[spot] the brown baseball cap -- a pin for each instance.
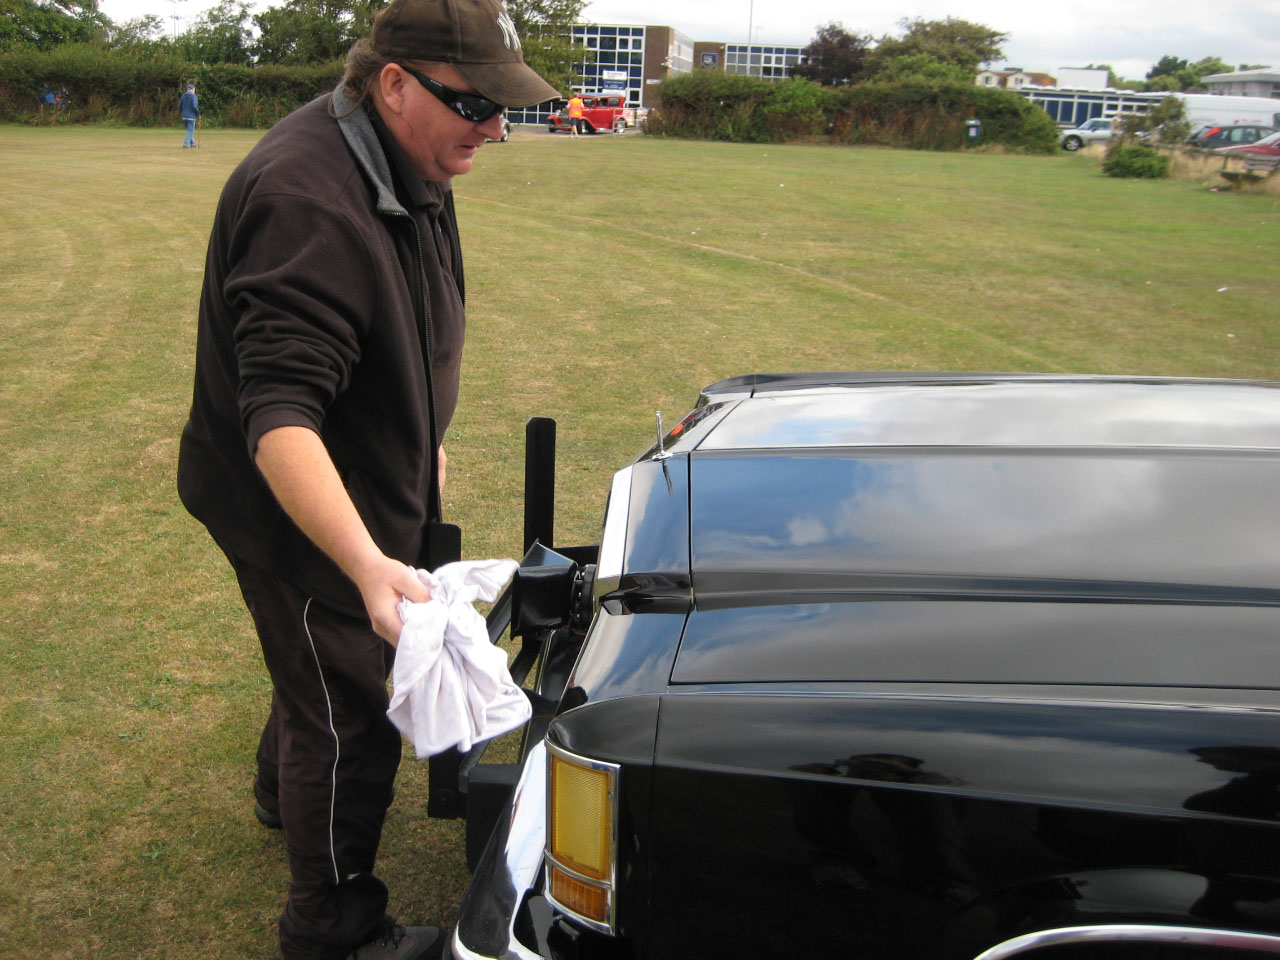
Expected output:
(477, 37)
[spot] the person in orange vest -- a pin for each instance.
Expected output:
(575, 115)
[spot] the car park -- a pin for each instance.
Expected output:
(599, 113)
(1095, 130)
(953, 666)
(1213, 137)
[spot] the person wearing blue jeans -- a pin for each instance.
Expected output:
(189, 109)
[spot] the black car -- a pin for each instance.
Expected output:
(901, 666)
(1212, 137)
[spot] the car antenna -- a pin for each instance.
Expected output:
(662, 453)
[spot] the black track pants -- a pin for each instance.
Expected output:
(327, 760)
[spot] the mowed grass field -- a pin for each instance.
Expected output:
(607, 278)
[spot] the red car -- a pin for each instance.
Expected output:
(598, 113)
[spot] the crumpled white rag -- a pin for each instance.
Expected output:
(451, 686)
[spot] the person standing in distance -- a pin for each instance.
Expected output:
(575, 115)
(189, 110)
(327, 368)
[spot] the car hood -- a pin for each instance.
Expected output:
(852, 523)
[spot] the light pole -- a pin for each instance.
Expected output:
(751, 19)
(175, 16)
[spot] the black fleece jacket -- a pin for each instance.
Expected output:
(319, 310)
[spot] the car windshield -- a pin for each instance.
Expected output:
(1269, 140)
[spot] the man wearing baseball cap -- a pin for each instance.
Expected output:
(327, 371)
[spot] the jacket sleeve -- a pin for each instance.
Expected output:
(301, 283)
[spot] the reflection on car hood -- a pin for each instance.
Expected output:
(1109, 508)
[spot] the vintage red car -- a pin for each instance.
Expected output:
(606, 112)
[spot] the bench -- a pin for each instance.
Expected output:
(1256, 169)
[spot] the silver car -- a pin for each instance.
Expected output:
(1091, 131)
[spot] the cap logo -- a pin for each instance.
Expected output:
(509, 36)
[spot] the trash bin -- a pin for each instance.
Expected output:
(973, 131)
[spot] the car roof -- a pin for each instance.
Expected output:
(1004, 410)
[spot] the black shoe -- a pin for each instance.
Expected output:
(394, 942)
(268, 818)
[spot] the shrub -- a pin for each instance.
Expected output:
(1136, 162)
(915, 113)
(710, 105)
(142, 89)
(797, 110)
(923, 115)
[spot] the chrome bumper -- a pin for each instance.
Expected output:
(508, 869)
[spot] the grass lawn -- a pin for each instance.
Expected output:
(607, 277)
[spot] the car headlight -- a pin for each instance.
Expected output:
(582, 819)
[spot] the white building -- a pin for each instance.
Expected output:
(1013, 79)
(1246, 83)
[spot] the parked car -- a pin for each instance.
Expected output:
(1212, 137)
(506, 131)
(944, 666)
(598, 113)
(1268, 146)
(1095, 130)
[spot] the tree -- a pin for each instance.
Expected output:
(308, 31)
(1193, 76)
(142, 34)
(221, 35)
(1164, 81)
(545, 29)
(923, 66)
(1168, 119)
(958, 42)
(834, 57)
(1166, 66)
(44, 24)
(1172, 73)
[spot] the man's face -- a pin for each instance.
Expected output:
(440, 143)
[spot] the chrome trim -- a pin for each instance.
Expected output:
(1133, 932)
(512, 870)
(610, 884)
(515, 951)
(613, 540)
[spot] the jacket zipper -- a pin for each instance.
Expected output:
(437, 504)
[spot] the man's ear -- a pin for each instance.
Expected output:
(391, 83)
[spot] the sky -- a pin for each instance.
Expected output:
(1130, 35)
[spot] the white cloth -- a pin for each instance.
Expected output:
(450, 685)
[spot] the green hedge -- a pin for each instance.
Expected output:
(105, 86)
(915, 114)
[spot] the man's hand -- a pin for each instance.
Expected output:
(382, 583)
(444, 467)
(301, 474)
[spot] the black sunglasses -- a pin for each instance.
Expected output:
(469, 106)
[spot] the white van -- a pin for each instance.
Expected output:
(1208, 108)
